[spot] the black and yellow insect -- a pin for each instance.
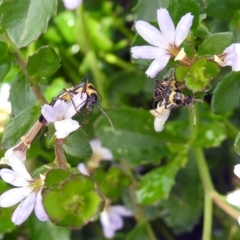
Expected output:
(67, 95)
(169, 93)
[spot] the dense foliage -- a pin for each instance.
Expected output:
(173, 184)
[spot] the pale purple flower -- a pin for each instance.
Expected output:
(234, 197)
(28, 192)
(161, 115)
(61, 114)
(112, 219)
(83, 169)
(100, 151)
(230, 57)
(164, 43)
(72, 4)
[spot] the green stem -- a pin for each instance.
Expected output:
(99, 77)
(139, 213)
(61, 160)
(231, 130)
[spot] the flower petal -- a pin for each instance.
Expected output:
(12, 178)
(83, 169)
(95, 144)
(49, 113)
(146, 52)
(13, 196)
(150, 34)
(237, 170)
(121, 210)
(232, 56)
(183, 28)
(108, 231)
(65, 127)
(157, 65)
(19, 168)
(72, 4)
(161, 115)
(24, 209)
(234, 198)
(106, 154)
(166, 25)
(39, 209)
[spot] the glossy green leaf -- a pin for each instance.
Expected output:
(216, 43)
(21, 94)
(73, 202)
(157, 184)
(182, 210)
(147, 10)
(77, 145)
(5, 65)
(237, 144)
(19, 126)
(181, 73)
(25, 20)
(43, 63)
(47, 230)
(226, 94)
(133, 128)
(178, 9)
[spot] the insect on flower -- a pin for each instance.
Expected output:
(85, 107)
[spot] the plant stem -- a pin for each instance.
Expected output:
(99, 77)
(62, 162)
(208, 189)
(139, 213)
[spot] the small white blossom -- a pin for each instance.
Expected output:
(28, 192)
(72, 4)
(83, 169)
(230, 57)
(99, 153)
(61, 114)
(234, 197)
(165, 42)
(112, 219)
(161, 115)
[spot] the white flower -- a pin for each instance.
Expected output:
(165, 42)
(230, 57)
(83, 169)
(234, 197)
(28, 192)
(161, 115)
(99, 153)
(61, 114)
(72, 4)
(112, 219)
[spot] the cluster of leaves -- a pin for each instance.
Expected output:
(45, 48)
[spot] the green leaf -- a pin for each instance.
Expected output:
(43, 63)
(25, 20)
(46, 230)
(226, 94)
(73, 202)
(139, 232)
(147, 10)
(77, 145)
(157, 184)
(6, 225)
(219, 9)
(133, 128)
(3, 50)
(19, 126)
(181, 73)
(5, 65)
(237, 144)
(178, 9)
(182, 210)
(56, 176)
(112, 182)
(21, 94)
(216, 43)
